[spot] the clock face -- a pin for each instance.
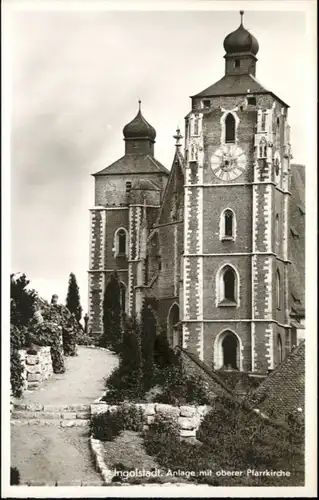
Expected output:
(228, 162)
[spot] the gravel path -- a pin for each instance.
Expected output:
(51, 453)
(82, 382)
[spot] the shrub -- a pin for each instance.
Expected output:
(107, 426)
(132, 418)
(85, 339)
(180, 388)
(14, 476)
(48, 334)
(125, 382)
(16, 372)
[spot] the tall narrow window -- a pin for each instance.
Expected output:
(278, 294)
(230, 128)
(229, 285)
(196, 125)
(120, 242)
(228, 223)
(263, 121)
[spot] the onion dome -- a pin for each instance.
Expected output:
(241, 40)
(139, 128)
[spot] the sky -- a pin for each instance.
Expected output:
(76, 78)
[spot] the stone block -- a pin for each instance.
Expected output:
(83, 414)
(20, 407)
(33, 368)
(188, 433)
(150, 419)
(33, 385)
(67, 423)
(69, 416)
(32, 359)
(187, 423)
(188, 411)
(172, 411)
(48, 415)
(149, 409)
(55, 408)
(34, 377)
(21, 415)
(77, 408)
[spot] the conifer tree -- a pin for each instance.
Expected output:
(112, 314)
(73, 297)
(148, 330)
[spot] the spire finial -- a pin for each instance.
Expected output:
(178, 136)
(241, 12)
(139, 104)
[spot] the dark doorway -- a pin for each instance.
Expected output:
(229, 346)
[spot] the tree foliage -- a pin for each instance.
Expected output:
(126, 382)
(23, 300)
(112, 314)
(148, 332)
(73, 297)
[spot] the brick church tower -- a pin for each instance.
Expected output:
(128, 194)
(237, 190)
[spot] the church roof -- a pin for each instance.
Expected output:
(282, 392)
(134, 164)
(242, 84)
(297, 239)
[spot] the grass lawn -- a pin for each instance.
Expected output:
(127, 453)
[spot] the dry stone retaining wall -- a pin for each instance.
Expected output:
(188, 417)
(36, 367)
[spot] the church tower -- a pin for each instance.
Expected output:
(128, 195)
(237, 190)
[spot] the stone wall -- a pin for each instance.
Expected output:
(188, 417)
(37, 367)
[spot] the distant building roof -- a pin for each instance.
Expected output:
(134, 164)
(283, 391)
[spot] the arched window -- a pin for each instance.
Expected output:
(263, 120)
(227, 287)
(279, 349)
(123, 296)
(174, 326)
(278, 294)
(227, 351)
(229, 347)
(227, 225)
(230, 128)
(120, 242)
(262, 149)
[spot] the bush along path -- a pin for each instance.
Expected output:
(50, 427)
